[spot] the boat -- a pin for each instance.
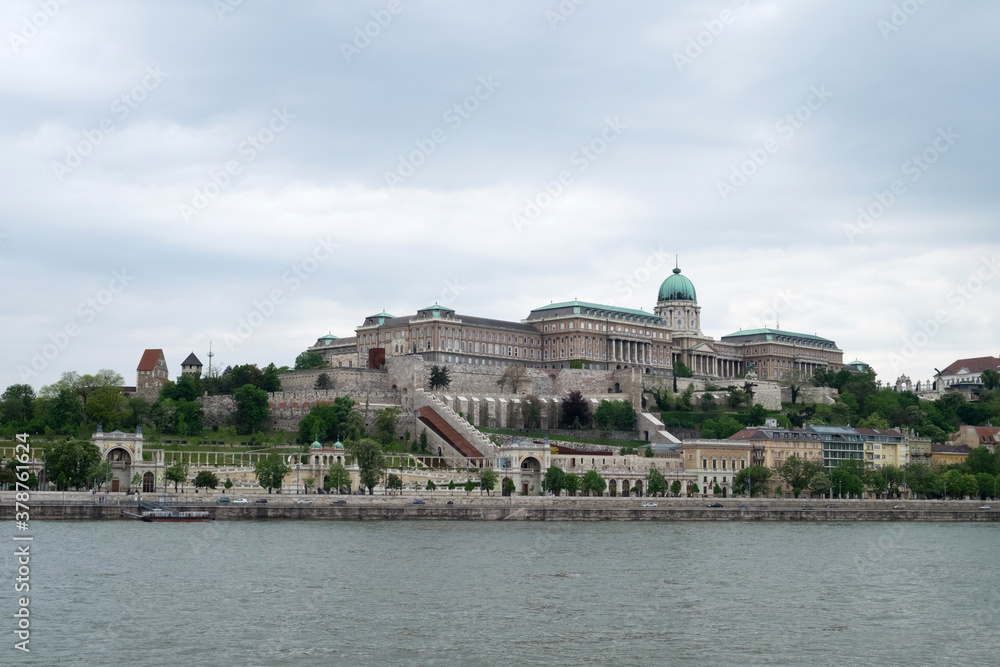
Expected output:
(169, 516)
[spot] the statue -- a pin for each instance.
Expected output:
(751, 367)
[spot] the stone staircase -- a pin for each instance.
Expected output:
(658, 434)
(477, 438)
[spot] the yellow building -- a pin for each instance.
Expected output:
(715, 462)
(885, 447)
(942, 455)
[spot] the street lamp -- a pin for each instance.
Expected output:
(297, 466)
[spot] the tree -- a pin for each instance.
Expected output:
(683, 402)
(797, 472)
(694, 490)
(876, 421)
(385, 424)
(717, 490)
(656, 483)
(394, 482)
(514, 376)
(575, 411)
(270, 382)
(845, 480)
(337, 478)
(323, 382)
(64, 411)
(752, 481)
(227, 486)
(795, 380)
(17, 404)
(675, 487)
(720, 430)
(508, 486)
(244, 375)
(681, 370)
(488, 480)
(531, 412)
(430, 485)
(309, 360)
(177, 473)
(423, 440)
(252, 409)
(618, 415)
(982, 459)
(205, 479)
(101, 473)
(439, 378)
(737, 397)
(756, 416)
(368, 455)
(819, 484)
(572, 483)
(271, 470)
(988, 486)
(593, 483)
(469, 486)
(72, 460)
(990, 379)
(554, 480)
(330, 422)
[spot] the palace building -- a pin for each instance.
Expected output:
(583, 335)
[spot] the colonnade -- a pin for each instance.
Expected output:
(631, 352)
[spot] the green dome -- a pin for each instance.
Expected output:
(338, 445)
(317, 445)
(677, 288)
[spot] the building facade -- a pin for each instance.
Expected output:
(151, 374)
(584, 335)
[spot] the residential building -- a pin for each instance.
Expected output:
(840, 443)
(949, 454)
(884, 448)
(977, 436)
(967, 373)
(716, 462)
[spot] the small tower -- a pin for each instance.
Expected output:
(191, 365)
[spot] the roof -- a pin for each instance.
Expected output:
(677, 288)
(950, 449)
(191, 361)
(437, 307)
(976, 365)
(595, 306)
(149, 359)
(893, 433)
(776, 332)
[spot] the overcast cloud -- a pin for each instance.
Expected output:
(184, 165)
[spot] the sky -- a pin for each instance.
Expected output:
(252, 175)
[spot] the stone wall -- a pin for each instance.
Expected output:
(353, 381)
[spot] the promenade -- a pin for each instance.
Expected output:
(86, 506)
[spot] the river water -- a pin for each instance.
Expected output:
(512, 593)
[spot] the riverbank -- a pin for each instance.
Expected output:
(79, 507)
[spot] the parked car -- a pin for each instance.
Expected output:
(418, 502)
(832, 506)
(339, 502)
(450, 502)
(762, 506)
(260, 501)
(807, 507)
(899, 507)
(303, 501)
(240, 501)
(649, 504)
(744, 507)
(715, 505)
(224, 500)
(984, 507)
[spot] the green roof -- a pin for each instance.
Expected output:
(437, 307)
(383, 314)
(677, 288)
(327, 339)
(777, 332)
(585, 304)
(316, 445)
